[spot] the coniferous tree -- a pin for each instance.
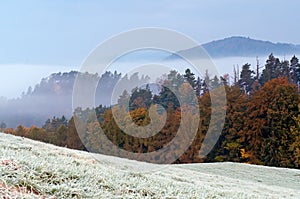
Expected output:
(285, 70)
(169, 90)
(294, 70)
(198, 86)
(246, 78)
(124, 99)
(271, 69)
(140, 98)
(206, 82)
(215, 82)
(190, 78)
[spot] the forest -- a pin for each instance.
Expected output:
(262, 123)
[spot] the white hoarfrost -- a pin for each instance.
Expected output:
(30, 169)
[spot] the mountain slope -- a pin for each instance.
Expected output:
(36, 170)
(243, 47)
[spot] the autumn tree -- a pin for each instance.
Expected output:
(21, 131)
(294, 148)
(270, 114)
(61, 135)
(232, 139)
(36, 133)
(73, 140)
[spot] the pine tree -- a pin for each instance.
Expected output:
(271, 70)
(124, 99)
(294, 70)
(206, 82)
(285, 69)
(169, 90)
(140, 98)
(246, 79)
(198, 86)
(190, 78)
(215, 82)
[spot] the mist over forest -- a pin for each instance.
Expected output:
(53, 97)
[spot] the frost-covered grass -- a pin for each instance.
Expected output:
(30, 169)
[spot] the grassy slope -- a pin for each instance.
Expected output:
(29, 169)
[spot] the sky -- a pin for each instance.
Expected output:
(41, 37)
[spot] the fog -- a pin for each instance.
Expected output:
(35, 106)
(16, 78)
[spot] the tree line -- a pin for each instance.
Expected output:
(262, 123)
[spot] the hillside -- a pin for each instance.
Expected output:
(53, 97)
(237, 46)
(31, 169)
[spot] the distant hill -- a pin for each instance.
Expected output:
(242, 47)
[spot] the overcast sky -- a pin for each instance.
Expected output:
(56, 32)
(62, 33)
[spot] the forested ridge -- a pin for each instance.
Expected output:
(262, 124)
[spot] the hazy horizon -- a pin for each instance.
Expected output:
(12, 88)
(39, 38)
